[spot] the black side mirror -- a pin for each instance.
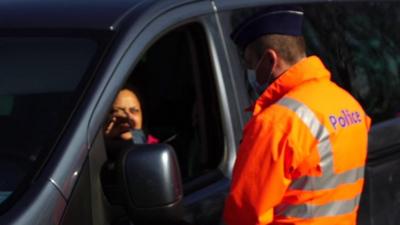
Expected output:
(151, 181)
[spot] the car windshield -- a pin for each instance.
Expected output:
(40, 80)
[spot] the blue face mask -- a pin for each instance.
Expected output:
(257, 87)
(138, 136)
(252, 77)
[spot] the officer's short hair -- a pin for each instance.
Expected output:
(289, 48)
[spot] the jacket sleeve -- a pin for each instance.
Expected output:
(260, 177)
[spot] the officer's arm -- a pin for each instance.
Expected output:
(259, 178)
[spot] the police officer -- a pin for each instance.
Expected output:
(302, 157)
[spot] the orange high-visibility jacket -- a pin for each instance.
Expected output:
(302, 157)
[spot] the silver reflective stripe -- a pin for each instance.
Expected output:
(318, 130)
(328, 179)
(309, 211)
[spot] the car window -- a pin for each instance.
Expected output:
(358, 44)
(175, 84)
(176, 78)
(41, 79)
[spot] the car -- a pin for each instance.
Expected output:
(63, 63)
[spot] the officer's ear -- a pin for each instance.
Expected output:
(277, 64)
(272, 56)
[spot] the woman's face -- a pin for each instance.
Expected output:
(126, 114)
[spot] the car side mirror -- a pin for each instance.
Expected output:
(151, 182)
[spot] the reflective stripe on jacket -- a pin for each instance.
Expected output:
(302, 157)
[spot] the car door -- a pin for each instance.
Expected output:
(175, 59)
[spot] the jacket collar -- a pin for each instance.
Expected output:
(310, 68)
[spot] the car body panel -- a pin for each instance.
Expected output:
(63, 14)
(42, 204)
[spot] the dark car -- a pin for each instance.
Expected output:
(63, 62)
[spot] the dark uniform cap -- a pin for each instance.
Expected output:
(286, 20)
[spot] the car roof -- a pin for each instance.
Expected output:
(73, 14)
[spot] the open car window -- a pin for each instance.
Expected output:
(178, 84)
(175, 83)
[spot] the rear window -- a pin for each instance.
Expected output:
(40, 82)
